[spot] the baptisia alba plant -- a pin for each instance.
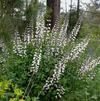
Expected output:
(45, 66)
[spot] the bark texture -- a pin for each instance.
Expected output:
(53, 13)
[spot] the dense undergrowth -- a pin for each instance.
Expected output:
(53, 72)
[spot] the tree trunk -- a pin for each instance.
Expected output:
(53, 13)
(78, 8)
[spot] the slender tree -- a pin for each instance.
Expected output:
(78, 8)
(53, 13)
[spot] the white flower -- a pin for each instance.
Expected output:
(60, 67)
(36, 62)
(18, 46)
(75, 30)
(89, 64)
